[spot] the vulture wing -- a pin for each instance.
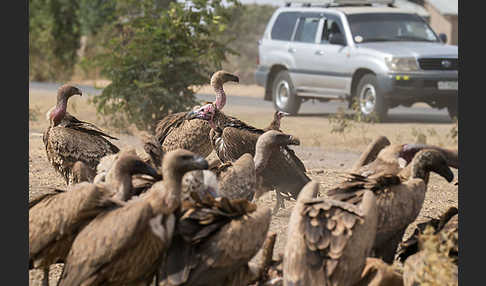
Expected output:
(107, 237)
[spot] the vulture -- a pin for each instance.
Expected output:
(447, 222)
(328, 241)
(241, 178)
(124, 246)
(231, 138)
(214, 240)
(174, 131)
(56, 216)
(68, 140)
(399, 198)
(275, 124)
(432, 264)
(213, 159)
(383, 157)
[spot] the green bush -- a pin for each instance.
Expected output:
(153, 55)
(40, 41)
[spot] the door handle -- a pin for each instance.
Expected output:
(292, 50)
(319, 52)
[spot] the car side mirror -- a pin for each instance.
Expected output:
(443, 37)
(337, 39)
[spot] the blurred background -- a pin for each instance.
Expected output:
(138, 61)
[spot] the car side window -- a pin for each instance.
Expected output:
(306, 29)
(284, 26)
(331, 26)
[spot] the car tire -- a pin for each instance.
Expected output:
(370, 99)
(283, 94)
(452, 110)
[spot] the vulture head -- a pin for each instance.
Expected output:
(181, 161)
(429, 160)
(217, 81)
(279, 114)
(220, 77)
(56, 113)
(205, 112)
(66, 91)
(267, 143)
(130, 164)
(276, 139)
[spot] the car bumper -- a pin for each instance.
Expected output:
(416, 86)
(261, 75)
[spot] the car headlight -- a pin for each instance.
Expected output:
(401, 64)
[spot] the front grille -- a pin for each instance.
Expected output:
(439, 64)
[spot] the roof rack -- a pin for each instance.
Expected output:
(339, 3)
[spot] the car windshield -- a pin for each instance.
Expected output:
(381, 27)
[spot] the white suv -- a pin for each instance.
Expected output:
(380, 55)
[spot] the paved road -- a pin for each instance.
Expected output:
(398, 114)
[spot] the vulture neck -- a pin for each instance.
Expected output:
(274, 125)
(220, 95)
(60, 111)
(122, 184)
(419, 170)
(172, 191)
(262, 155)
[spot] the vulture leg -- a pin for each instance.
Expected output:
(45, 278)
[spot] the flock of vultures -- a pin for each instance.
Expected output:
(183, 211)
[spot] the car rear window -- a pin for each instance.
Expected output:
(284, 26)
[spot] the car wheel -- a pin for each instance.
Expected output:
(370, 99)
(284, 95)
(452, 109)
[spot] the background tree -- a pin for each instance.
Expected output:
(154, 54)
(53, 39)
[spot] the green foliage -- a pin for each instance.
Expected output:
(153, 55)
(94, 14)
(340, 122)
(40, 41)
(53, 39)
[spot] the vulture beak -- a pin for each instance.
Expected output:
(445, 172)
(232, 77)
(282, 114)
(294, 140)
(191, 115)
(78, 91)
(146, 169)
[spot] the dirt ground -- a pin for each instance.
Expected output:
(324, 154)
